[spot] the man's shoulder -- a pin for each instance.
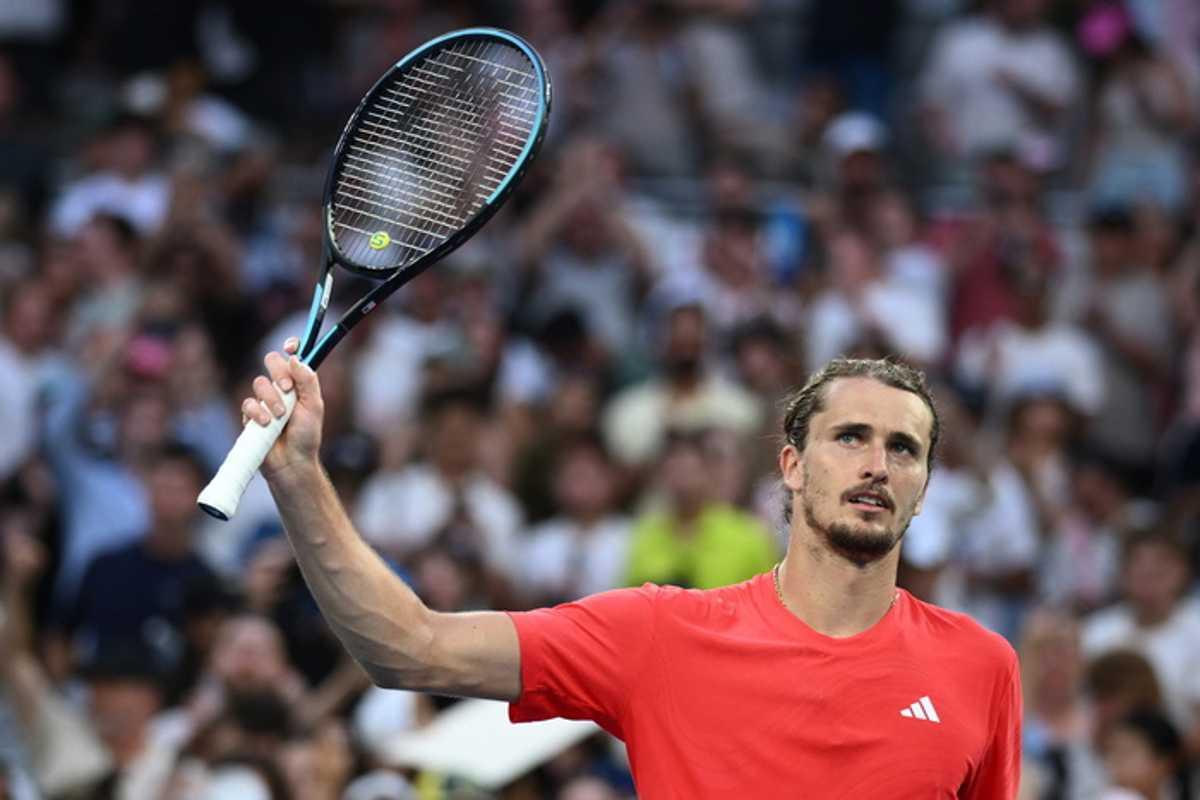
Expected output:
(118, 556)
(696, 604)
(959, 633)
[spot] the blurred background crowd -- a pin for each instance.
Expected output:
(588, 395)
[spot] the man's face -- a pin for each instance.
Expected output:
(861, 476)
(173, 486)
(249, 654)
(121, 710)
(455, 437)
(1155, 578)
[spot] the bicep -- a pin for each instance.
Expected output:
(475, 654)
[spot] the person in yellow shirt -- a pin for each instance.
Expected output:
(693, 539)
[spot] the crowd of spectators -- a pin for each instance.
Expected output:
(1005, 193)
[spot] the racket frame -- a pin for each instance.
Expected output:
(314, 347)
(220, 498)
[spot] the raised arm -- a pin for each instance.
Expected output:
(381, 622)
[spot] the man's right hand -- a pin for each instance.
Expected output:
(300, 442)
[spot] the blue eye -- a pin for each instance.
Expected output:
(847, 437)
(902, 447)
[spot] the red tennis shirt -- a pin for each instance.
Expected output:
(726, 691)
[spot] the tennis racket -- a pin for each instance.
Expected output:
(430, 154)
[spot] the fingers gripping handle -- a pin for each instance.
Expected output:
(223, 493)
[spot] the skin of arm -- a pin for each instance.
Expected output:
(397, 640)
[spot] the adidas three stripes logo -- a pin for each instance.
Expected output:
(922, 709)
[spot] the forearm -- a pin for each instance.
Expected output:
(380, 621)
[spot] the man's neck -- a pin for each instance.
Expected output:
(587, 520)
(1151, 617)
(832, 595)
(167, 545)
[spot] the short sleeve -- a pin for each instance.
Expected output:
(582, 660)
(999, 773)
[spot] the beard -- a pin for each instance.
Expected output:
(858, 544)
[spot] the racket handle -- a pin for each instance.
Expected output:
(223, 493)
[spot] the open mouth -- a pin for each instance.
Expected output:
(869, 501)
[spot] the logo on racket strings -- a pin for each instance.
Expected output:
(380, 240)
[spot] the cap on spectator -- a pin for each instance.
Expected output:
(855, 132)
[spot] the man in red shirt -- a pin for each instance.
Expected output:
(819, 679)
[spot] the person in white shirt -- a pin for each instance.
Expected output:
(447, 490)
(1033, 352)
(584, 548)
(862, 304)
(26, 330)
(996, 79)
(1157, 620)
(687, 393)
(127, 184)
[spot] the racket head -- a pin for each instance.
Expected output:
(433, 150)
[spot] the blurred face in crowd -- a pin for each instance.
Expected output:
(1132, 762)
(687, 339)
(730, 186)
(732, 253)
(145, 418)
(29, 321)
(1110, 250)
(727, 467)
(853, 262)
(1007, 182)
(685, 474)
(1154, 579)
(173, 485)
(1031, 288)
(249, 654)
(455, 438)
(893, 223)
(1098, 491)
(861, 172)
(585, 485)
(861, 476)
(585, 232)
(121, 710)
(445, 580)
(763, 364)
(101, 251)
(1041, 427)
(1051, 658)
(574, 404)
(130, 150)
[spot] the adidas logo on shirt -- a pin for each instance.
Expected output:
(922, 709)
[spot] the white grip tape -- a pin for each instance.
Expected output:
(223, 493)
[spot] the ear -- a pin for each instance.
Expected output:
(791, 467)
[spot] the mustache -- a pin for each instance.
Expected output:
(872, 488)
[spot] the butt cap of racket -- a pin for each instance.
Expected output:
(224, 492)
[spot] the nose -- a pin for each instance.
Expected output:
(874, 467)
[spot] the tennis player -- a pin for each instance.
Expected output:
(818, 679)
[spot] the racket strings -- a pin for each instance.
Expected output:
(434, 145)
